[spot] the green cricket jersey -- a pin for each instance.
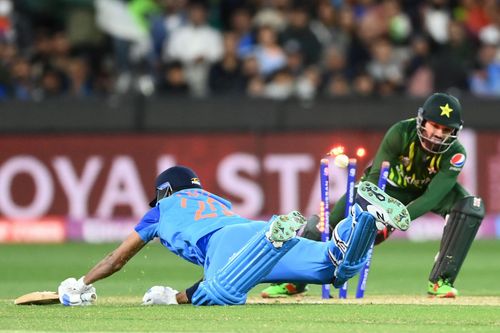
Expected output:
(418, 178)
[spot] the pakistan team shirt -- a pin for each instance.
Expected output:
(415, 173)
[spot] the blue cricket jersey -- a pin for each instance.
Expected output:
(185, 219)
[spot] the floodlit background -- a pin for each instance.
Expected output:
(97, 97)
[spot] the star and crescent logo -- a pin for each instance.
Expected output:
(446, 110)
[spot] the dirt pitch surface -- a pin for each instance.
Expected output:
(405, 300)
(370, 300)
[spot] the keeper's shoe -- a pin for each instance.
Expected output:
(280, 290)
(284, 227)
(386, 210)
(442, 289)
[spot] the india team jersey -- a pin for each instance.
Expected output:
(183, 220)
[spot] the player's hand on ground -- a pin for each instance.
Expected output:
(73, 292)
(160, 295)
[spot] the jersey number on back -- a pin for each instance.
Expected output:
(209, 209)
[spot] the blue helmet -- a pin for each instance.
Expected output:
(172, 180)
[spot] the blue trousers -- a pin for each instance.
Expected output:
(239, 256)
(307, 261)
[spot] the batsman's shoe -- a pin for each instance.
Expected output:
(442, 289)
(284, 227)
(386, 210)
(280, 290)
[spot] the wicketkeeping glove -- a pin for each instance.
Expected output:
(160, 295)
(383, 234)
(73, 292)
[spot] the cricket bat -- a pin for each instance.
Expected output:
(38, 298)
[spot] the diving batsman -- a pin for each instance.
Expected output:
(426, 158)
(237, 253)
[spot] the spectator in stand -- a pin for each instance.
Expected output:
(418, 72)
(298, 30)
(385, 68)
(8, 56)
(22, 83)
(254, 83)
(60, 50)
(273, 14)
(52, 85)
(375, 17)
(338, 86)
(40, 54)
(308, 83)
(453, 60)
(173, 81)
(80, 81)
(436, 18)
(269, 54)
(346, 31)
(399, 26)
(358, 47)
(485, 80)
(334, 67)
(280, 86)
(226, 76)
(475, 14)
(294, 58)
(241, 25)
(171, 17)
(197, 46)
(49, 50)
(325, 25)
(363, 85)
(490, 34)
(7, 31)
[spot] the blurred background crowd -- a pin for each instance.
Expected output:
(259, 48)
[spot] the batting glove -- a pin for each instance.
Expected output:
(74, 292)
(160, 295)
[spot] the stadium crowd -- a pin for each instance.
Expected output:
(260, 48)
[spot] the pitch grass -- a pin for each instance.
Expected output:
(399, 274)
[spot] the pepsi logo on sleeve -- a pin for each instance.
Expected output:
(457, 161)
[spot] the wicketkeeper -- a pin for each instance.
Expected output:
(426, 158)
(237, 253)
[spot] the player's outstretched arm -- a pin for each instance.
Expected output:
(115, 260)
(74, 292)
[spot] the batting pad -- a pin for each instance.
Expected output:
(363, 235)
(242, 272)
(342, 235)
